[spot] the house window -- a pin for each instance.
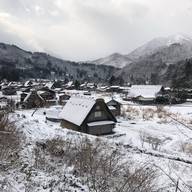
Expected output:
(97, 114)
(98, 107)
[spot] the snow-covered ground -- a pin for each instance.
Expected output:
(173, 128)
(144, 134)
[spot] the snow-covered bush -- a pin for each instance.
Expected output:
(10, 145)
(189, 122)
(186, 147)
(9, 137)
(101, 167)
(153, 141)
(131, 113)
(148, 113)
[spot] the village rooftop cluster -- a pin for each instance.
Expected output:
(91, 108)
(57, 92)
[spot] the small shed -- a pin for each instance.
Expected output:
(87, 116)
(114, 106)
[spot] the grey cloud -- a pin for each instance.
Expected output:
(87, 29)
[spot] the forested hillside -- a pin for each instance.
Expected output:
(16, 63)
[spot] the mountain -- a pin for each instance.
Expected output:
(153, 62)
(154, 67)
(121, 60)
(116, 60)
(155, 44)
(15, 63)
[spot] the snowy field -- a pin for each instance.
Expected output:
(159, 136)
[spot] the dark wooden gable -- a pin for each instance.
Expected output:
(101, 116)
(100, 112)
(34, 100)
(115, 107)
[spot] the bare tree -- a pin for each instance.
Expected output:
(103, 167)
(9, 136)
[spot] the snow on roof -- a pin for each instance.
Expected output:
(146, 98)
(167, 88)
(29, 94)
(70, 83)
(108, 99)
(144, 90)
(49, 85)
(114, 86)
(10, 83)
(96, 123)
(27, 83)
(76, 109)
(26, 98)
(41, 92)
(111, 108)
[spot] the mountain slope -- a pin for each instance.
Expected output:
(152, 68)
(180, 74)
(17, 62)
(121, 60)
(153, 45)
(116, 60)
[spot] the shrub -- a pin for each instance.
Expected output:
(148, 113)
(131, 113)
(153, 141)
(9, 136)
(102, 167)
(186, 147)
(189, 121)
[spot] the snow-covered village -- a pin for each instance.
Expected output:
(95, 139)
(95, 96)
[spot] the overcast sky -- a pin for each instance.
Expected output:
(83, 30)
